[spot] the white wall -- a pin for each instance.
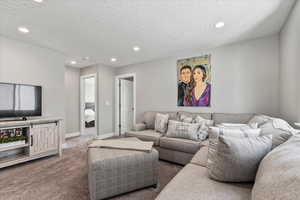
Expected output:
(25, 63)
(244, 79)
(105, 83)
(72, 85)
(290, 67)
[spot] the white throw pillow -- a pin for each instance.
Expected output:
(237, 126)
(161, 122)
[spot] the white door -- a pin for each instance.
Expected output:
(126, 100)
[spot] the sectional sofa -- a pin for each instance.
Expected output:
(278, 175)
(178, 150)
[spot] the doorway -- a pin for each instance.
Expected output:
(88, 99)
(125, 103)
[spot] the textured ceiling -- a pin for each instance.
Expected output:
(102, 29)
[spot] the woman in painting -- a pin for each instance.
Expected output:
(198, 92)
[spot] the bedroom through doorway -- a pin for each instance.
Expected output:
(88, 104)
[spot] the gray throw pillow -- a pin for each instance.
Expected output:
(161, 122)
(278, 175)
(185, 118)
(236, 159)
(279, 136)
(184, 130)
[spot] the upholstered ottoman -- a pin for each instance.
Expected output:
(113, 171)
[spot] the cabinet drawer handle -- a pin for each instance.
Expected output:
(31, 140)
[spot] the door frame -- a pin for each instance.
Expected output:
(82, 101)
(117, 103)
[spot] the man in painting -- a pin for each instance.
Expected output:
(198, 91)
(185, 79)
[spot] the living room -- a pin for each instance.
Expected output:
(140, 99)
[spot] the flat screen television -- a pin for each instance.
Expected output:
(19, 100)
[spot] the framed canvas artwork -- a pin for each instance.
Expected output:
(194, 81)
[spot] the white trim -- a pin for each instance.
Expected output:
(118, 97)
(104, 136)
(71, 135)
(82, 101)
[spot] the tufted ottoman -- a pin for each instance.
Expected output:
(112, 171)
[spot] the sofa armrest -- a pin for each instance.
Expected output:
(200, 158)
(139, 127)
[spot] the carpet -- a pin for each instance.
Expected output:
(65, 178)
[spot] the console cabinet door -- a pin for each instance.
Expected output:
(44, 138)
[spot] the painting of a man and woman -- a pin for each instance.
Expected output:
(194, 81)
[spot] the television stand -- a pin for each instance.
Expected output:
(23, 141)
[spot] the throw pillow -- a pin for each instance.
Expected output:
(279, 136)
(278, 175)
(185, 118)
(236, 159)
(258, 120)
(237, 126)
(198, 119)
(184, 130)
(161, 122)
(215, 132)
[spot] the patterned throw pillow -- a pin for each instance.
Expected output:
(184, 130)
(161, 122)
(198, 119)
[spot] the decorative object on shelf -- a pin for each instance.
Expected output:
(194, 81)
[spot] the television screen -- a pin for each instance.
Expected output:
(17, 100)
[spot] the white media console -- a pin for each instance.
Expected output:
(42, 138)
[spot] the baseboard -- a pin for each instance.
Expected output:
(104, 136)
(71, 135)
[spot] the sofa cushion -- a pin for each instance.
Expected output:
(242, 118)
(278, 175)
(193, 183)
(178, 144)
(233, 159)
(149, 118)
(146, 135)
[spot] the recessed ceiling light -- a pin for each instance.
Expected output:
(136, 48)
(220, 25)
(39, 1)
(73, 62)
(23, 30)
(113, 59)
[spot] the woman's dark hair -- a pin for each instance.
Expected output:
(185, 67)
(192, 85)
(203, 71)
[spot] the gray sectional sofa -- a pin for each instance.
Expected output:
(179, 150)
(278, 175)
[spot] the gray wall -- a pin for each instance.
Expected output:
(290, 67)
(25, 63)
(244, 79)
(72, 88)
(106, 104)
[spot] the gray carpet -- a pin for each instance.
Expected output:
(65, 178)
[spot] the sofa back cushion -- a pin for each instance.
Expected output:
(278, 175)
(149, 118)
(242, 118)
(193, 115)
